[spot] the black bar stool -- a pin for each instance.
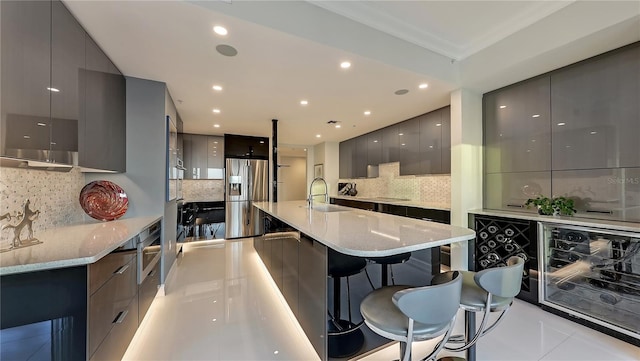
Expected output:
(386, 262)
(345, 336)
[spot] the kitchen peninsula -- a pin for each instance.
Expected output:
(298, 246)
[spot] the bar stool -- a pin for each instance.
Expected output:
(345, 336)
(489, 290)
(406, 314)
(385, 264)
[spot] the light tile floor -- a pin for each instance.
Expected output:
(220, 304)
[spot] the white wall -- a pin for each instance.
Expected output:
(293, 179)
(466, 164)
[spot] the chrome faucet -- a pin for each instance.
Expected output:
(325, 194)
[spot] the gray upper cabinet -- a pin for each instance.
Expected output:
(446, 140)
(430, 143)
(359, 158)
(26, 75)
(203, 156)
(390, 144)
(103, 144)
(595, 107)
(409, 146)
(374, 152)
(346, 158)
(517, 128)
(67, 64)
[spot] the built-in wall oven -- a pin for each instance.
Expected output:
(149, 250)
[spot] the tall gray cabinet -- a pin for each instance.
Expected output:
(572, 132)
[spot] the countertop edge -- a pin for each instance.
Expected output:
(395, 203)
(72, 262)
(573, 221)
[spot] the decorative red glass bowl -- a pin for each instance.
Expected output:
(104, 200)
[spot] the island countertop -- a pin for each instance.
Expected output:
(364, 233)
(73, 245)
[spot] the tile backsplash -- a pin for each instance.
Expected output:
(54, 194)
(201, 190)
(432, 188)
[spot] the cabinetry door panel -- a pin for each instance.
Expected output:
(430, 143)
(108, 302)
(595, 112)
(312, 305)
(215, 157)
(116, 116)
(93, 142)
(517, 128)
(101, 271)
(509, 191)
(147, 291)
(26, 70)
(187, 146)
(390, 144)
(374, 153)
(446, 140)
(359, 160)
(346, 158)
(67, 62)
(117, 340)
(409, 146)
(601, 193)
(199, 159)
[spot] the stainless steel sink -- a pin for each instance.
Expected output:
(326, 208)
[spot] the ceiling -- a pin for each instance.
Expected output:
(290, 51)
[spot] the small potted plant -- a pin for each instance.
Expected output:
(552, 206)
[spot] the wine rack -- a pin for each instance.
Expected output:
(497, 239)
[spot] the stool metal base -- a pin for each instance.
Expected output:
(344, 341)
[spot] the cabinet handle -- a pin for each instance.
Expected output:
(515, 205)
(601, 212)
(121, 316)
(121, 269)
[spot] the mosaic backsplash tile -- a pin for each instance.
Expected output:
(201, 190)
(54, 194)
(433, 188)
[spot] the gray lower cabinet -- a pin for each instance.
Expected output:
(596, 112)
(25, 79)
(147, 291)
(113, 307)
(298, 265)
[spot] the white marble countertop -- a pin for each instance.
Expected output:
(399, 202)
(73, 245)
(574, 221)
(364, 233)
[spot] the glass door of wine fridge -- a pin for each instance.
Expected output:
(593, 274)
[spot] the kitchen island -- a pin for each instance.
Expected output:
(298, 250)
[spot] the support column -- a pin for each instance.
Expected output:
(466, 165)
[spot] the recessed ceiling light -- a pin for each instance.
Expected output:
(561, 124)
(226, 50)
(375, 141)
(402, 144)
(338, 126)
(438, 124)
(215, 142)
(220, 30)
(216, 110)
(503, 106)
(318, 135)
(423, 86)
(400, 133)
(305, 149)
(401, 92)
(593, 132)
(367, 112)
(217, 88)
(55, 90)
(26, 137)
(304, 102)
(216, 125)
(41, 124)
(535, 116)
(345, 65)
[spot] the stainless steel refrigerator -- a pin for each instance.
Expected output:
(246, 181)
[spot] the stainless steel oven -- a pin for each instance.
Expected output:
(149, 250)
